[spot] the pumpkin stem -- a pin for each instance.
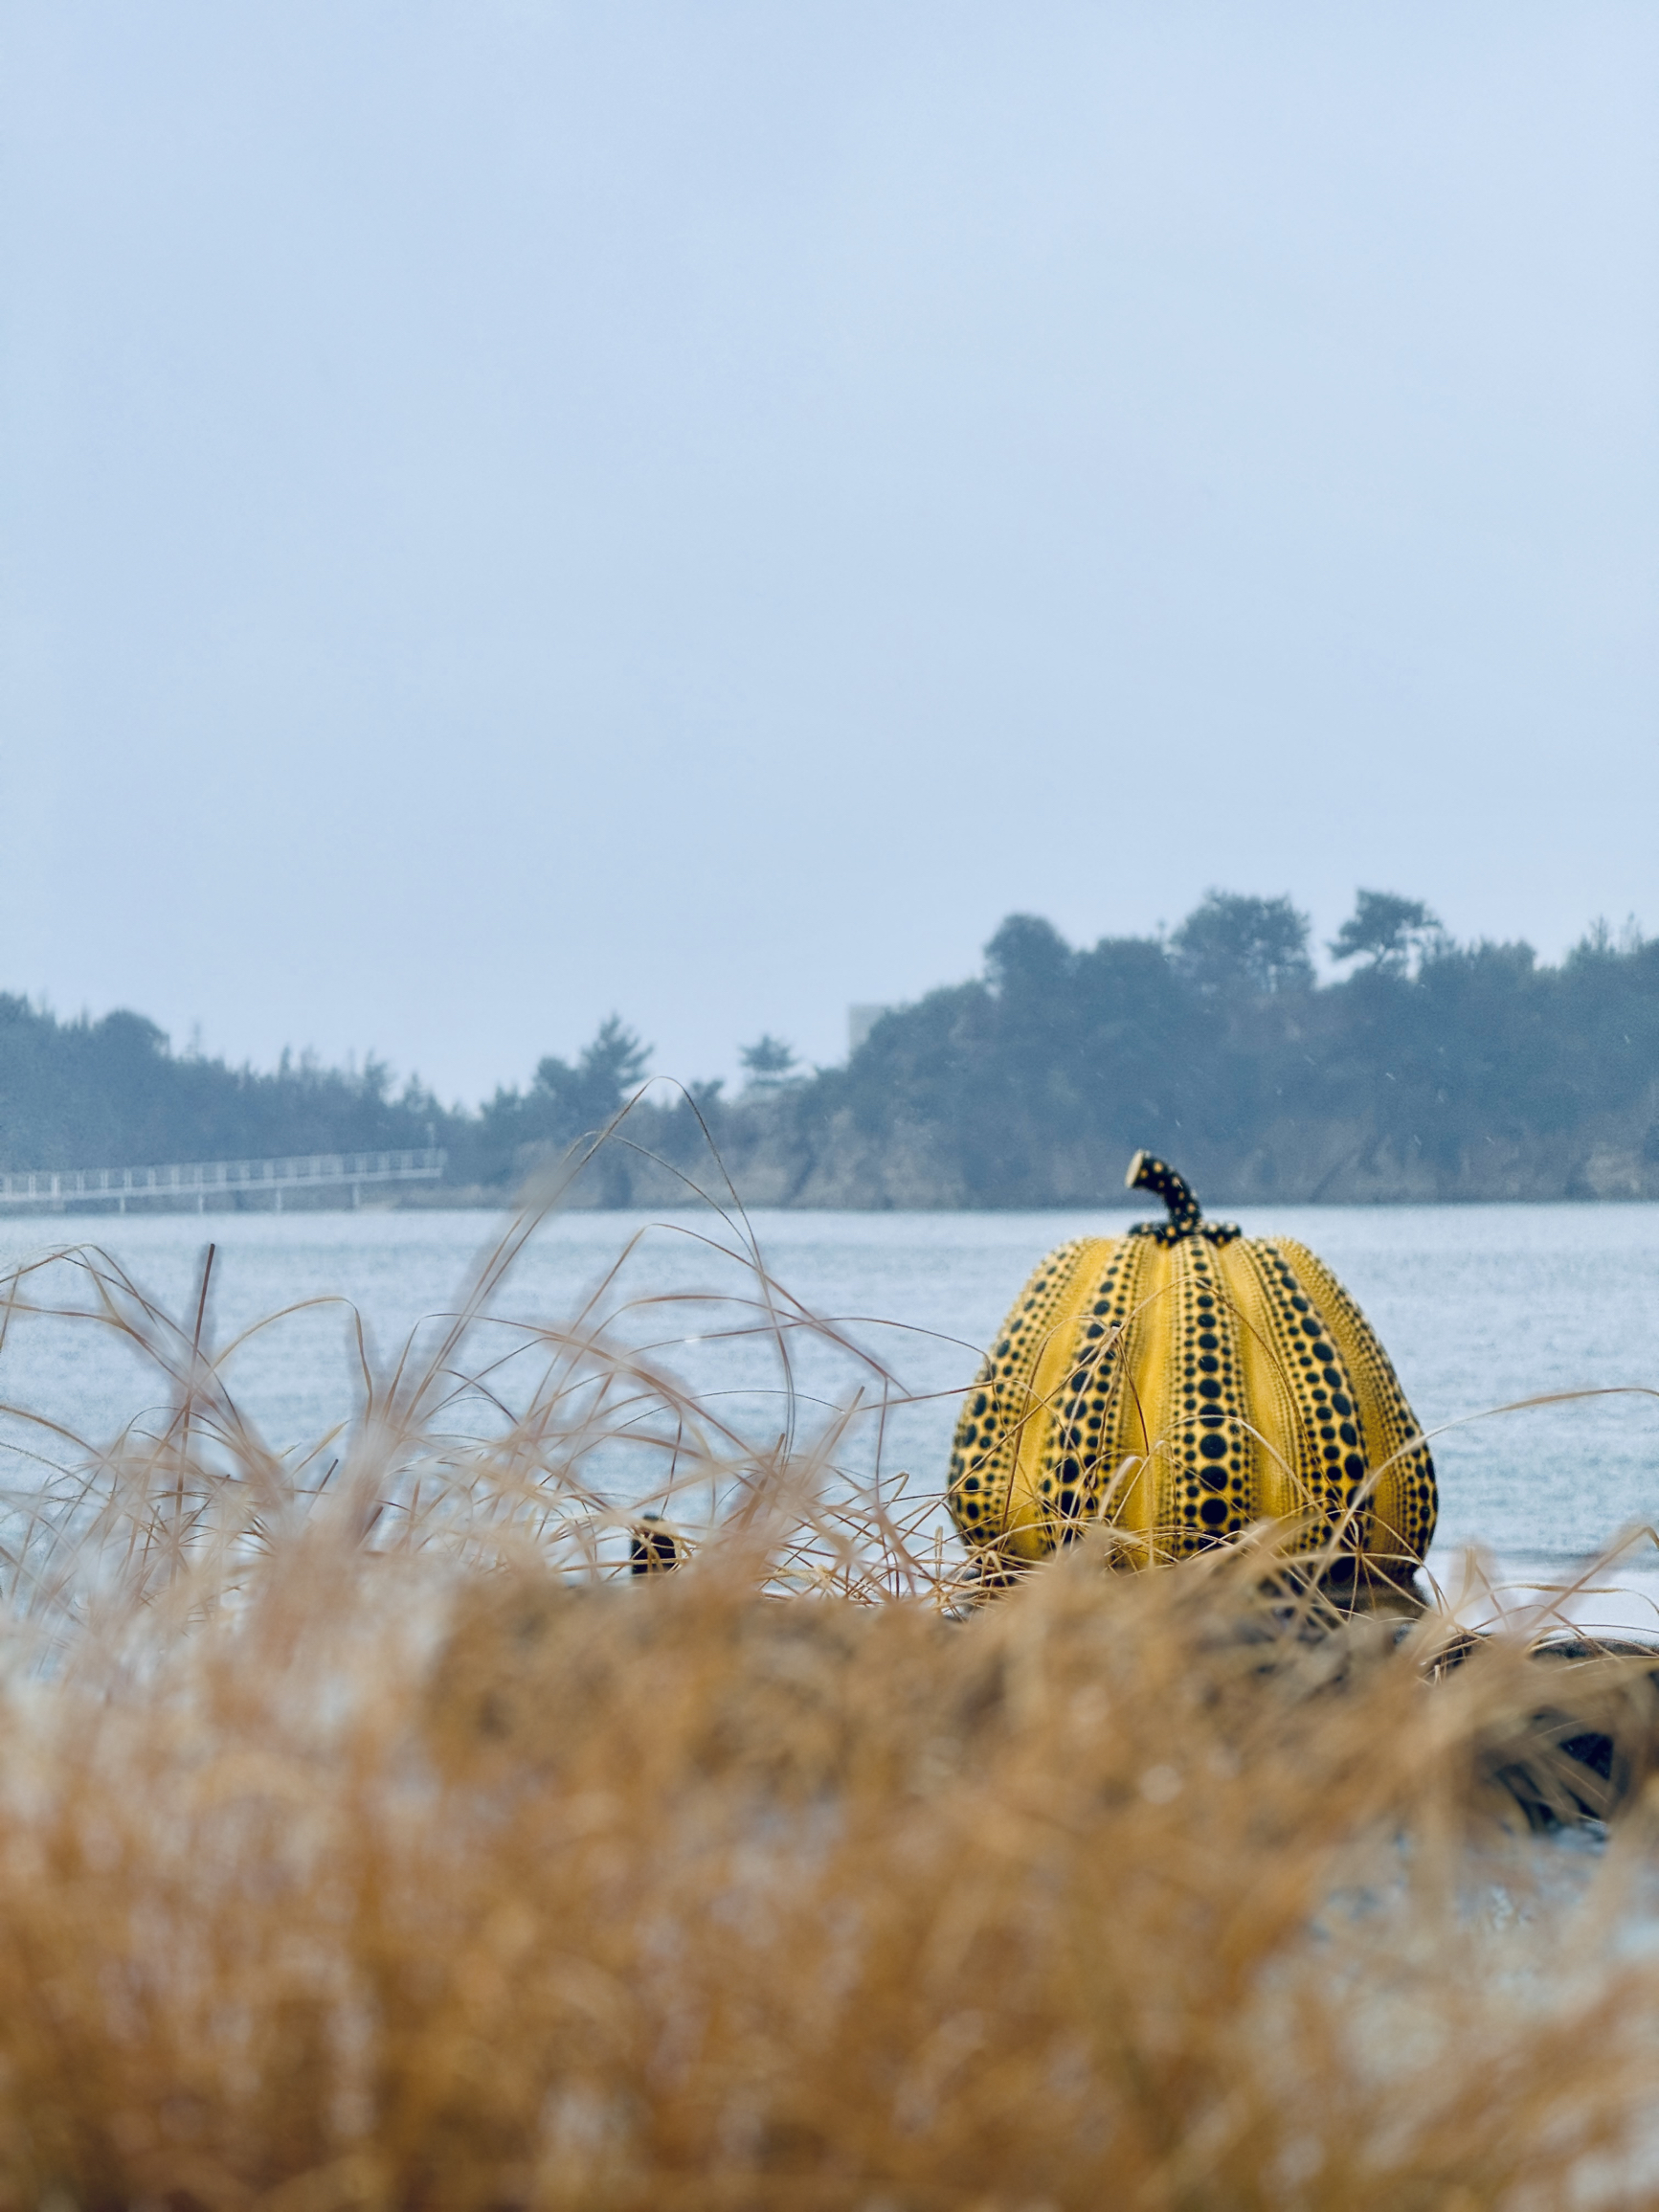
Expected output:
(1147, 1172)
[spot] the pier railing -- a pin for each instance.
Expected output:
(204, 1179)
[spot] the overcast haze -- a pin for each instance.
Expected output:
(517, 510)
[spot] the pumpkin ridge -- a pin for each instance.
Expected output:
(1289, 1479)
(1132, 1306)
(1040, 1458)
(1403, 1501)
(1212, 1454)
(1319, 1393)
(1000, 1406)
(1095, 1399)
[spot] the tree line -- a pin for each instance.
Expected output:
(112, 1093)
(1426, 1067)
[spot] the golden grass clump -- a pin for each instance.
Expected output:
(371, 1838)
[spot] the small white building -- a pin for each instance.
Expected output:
(861, 1021)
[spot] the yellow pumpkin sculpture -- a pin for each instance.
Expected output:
(1180, 1383)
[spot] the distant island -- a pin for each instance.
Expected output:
(1430, 1069)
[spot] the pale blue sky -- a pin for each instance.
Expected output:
(517, 509)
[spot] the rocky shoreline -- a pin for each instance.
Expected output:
(773, 1161)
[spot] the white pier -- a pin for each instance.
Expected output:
(204, 1179)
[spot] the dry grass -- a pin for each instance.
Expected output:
(366, 1840)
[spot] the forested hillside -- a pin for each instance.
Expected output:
(1428, 1069)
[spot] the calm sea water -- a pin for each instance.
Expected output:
(1478, 1306)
